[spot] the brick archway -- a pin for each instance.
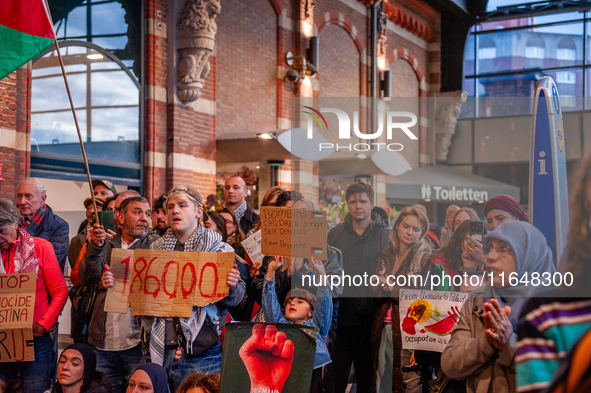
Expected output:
(405, 54)
(340, 19)
(277, 6)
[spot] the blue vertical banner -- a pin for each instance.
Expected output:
(548, 191)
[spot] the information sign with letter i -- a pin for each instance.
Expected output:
(548, 192)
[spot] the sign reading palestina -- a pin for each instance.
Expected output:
(268, 358)
(17, 304)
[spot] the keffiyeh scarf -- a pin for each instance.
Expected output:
(201, 240)
(240, 211)
(25, 258)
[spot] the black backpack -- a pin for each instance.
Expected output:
(83, 302)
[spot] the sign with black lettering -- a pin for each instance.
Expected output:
(293, 232)
(17, 305)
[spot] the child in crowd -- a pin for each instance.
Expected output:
(303, 308)
(200, 383)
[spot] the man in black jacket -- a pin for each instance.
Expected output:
(235, 193)
(39, 218)
(361, 238)
(115, 337)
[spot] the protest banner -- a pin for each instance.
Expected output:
(293, 232)
(252, 245)
(427, 318)
(17, 305)
(167, 283)
(255, 344)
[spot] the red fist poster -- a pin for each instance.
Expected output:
(268, 358)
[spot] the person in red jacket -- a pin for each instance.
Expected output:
(22, 253)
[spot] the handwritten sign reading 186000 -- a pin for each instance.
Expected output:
(293, 232)
(167, 283)
(17, 304)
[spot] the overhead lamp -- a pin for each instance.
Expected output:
(94, 56)
(361, 155)
(267, 135)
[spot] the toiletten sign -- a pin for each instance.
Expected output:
(453, 193)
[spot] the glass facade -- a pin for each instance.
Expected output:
(503, 61)
(100, 46)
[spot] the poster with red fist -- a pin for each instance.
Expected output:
(268, 358)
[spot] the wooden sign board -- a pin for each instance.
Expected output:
(167, 283)
(293, 232)
(17, 305)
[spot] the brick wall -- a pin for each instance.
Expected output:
(246, 82)
(15, 115)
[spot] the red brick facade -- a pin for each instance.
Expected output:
(245, 89)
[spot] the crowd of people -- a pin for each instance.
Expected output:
(511, 336)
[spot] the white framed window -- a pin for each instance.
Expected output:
(535, 52)
(568, 77)
(566, 54)
(568, 101)
(487, 53)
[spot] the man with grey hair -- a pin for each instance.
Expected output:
(115, 337)
(39, 218)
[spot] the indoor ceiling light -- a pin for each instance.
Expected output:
(361, 155)
(267, 135)
(94, 56)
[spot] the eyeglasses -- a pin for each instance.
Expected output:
(501, 249)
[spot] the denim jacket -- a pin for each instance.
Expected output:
(321, 317)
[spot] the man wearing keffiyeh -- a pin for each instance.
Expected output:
(184, 207)
(235, 193)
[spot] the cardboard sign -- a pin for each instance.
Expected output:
(252, 245)
(17, 305)
(167, 283)
(251, 352)
(428, 318)
(293, 232)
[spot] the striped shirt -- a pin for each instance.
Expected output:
(548, 328)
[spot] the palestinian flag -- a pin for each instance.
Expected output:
(25, 32)
(316, 252)
(317, 216)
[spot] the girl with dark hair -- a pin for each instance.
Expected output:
(217, 223)
(200, 383)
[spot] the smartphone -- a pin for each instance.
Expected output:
(476, 230)
(107, 219)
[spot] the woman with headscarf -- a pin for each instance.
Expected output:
(481, 349)
(502, 208)
(148, 378)
(76, 372)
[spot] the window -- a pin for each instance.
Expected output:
(566, 54)
(535, 52)
(569, 77)
(487, 53)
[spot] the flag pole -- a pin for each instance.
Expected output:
(61, 61)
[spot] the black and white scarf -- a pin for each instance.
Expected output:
(240, 211)
(201, 240)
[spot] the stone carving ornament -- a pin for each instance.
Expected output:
(449, 108)
(195, 42)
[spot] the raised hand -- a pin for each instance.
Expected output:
(97, 235)
(268, 357)
(276, 263)
(498, 326)
(318, 267)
